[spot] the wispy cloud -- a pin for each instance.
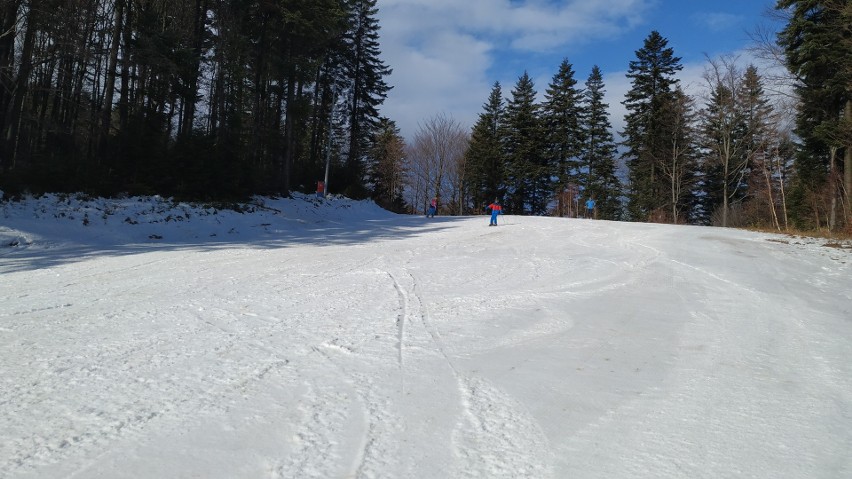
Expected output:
(717, 21)
(694, 83)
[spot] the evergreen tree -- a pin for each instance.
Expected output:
(308, 33)
(563, 116)
(724, 132)
(679, 170)
(819, 53)
(367, 90)
(484, 158)
(599, 150)
(528, 173)
(761, 140)
(387, 173)
(652, 80)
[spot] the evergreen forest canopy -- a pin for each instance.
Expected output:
(222, 99)
(198, 99)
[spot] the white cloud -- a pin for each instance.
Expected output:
(692, 80)
(447, 54)
(445, 75)
(718, 21)
(442, 51)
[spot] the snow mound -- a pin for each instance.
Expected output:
(60, 218)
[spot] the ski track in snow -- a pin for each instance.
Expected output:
(493, 433)
(401, 318)
(496, 437)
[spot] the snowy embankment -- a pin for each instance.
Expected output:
(319, 339)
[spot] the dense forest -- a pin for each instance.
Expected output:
(222, 99)
(192, 98)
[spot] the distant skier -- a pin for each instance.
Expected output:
(433, 208)
(590, 208)
(496, 209)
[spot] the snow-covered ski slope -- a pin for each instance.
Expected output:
(331, 339)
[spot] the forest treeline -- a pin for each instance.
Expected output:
(192, 98)
(730, 155)
(222, 99)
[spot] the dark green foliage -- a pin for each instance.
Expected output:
(367, 89)
(679, 166)
(528, 173)
(386, 172)
(484, 161)
(528, 154)
(598, 152)
(193, 98)
(653, 81)
(724, 132)
(817, 42)
(563, 118)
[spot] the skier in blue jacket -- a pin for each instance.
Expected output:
(590, 208)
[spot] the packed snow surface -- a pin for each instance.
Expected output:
(306, 338)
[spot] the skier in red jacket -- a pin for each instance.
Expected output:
(496, 209)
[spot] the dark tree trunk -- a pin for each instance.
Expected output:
(20, 87)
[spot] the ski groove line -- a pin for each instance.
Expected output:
(374, 442)
(433, 333)
(400, 319)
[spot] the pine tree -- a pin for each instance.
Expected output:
(387, 172)
(563, 116)
(819, 52)
(367, 90)
(761, 141)
(680, 169)
(528, 173)
(652, 78)
(484, 162)
(724, 129)
(599, 150)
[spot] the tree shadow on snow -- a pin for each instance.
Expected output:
(22, 250)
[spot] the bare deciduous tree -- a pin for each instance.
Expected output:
(435, 163)
(678, 168)
(724, 123)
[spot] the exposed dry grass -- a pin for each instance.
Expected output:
(830, 239)
(840, 235)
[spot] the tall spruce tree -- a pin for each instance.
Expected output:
(652, 85)
(386, 170)
(818, 51)
(761, 141)
(599, 150)
(367, 89)
(724, 137)
(528, 173)
(679, 168)
(563, 115)
(484, 162)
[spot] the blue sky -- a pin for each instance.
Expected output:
(447, 54)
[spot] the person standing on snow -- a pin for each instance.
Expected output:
(590, 208)
(433, 208)
(496, 209)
